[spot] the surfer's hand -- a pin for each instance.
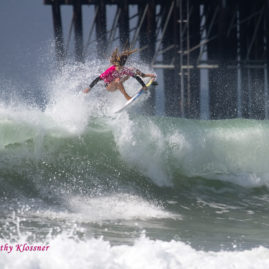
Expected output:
(87, 90)
(145, 88)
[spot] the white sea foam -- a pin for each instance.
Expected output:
(109, 208)
(65, 252)
(160, 148)
(142, 146)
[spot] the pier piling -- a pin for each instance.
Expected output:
(232, 47)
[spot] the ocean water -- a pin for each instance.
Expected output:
(82, 187)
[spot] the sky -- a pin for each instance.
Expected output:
(27, 36)
(27, 51)
(25, 30)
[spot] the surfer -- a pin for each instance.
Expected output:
(116, 74)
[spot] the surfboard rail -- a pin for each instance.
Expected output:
(135, 96)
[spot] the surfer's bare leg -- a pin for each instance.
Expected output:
(124, 79)
(117, 85)
(122, 89)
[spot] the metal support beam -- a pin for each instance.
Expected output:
(124, 24)
(167, 19)
(266, 57)
(58, 31)
(77, 11)
(254, 36)
(150, 31)
(101, 29)
(182, 88)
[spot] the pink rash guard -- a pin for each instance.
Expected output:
(111, 74)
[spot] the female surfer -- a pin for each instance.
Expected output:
(116, 74)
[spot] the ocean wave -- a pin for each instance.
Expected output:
(162, 149)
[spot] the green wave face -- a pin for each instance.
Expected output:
(114, 153)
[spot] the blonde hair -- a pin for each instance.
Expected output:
(120, 59)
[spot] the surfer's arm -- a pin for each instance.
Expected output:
(143, 75)
(140, 81)
(94, 82)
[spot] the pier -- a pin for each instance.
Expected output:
(213, 53)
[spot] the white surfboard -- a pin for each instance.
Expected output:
(136, 95)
